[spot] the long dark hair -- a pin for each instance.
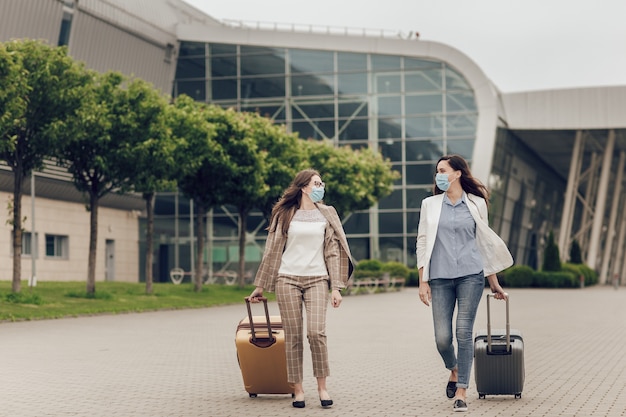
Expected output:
(469, 184)
(290, 201)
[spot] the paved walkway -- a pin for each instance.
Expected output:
(384, 361)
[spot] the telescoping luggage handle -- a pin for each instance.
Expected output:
(261, 342)
(508, 327)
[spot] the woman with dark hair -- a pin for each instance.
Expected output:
(455, 250)
(306, 254)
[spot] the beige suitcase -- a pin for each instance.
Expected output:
(260, 342)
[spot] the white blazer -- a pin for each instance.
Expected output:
(494, 252)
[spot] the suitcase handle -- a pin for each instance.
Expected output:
(508, 327)
(257, 341)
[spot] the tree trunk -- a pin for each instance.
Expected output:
(18, 181)
(199, 247)
(243, 219)
(149, 197)
(93, 244)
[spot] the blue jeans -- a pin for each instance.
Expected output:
(446, 293)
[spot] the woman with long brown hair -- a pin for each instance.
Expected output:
(306, 254)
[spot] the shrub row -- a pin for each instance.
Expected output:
(373, 268)
(520, 276)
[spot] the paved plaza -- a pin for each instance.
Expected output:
(383, 361)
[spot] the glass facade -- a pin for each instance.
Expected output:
(412, 110)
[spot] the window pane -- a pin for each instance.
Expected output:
(462, 125)
(262, 87)
(412, 221)
(390, 106)
(191, 49)
(312, 85)
(357, 223)
(310, 61)
(420, 63)
(359, 247)
(391, 149)
(222, 49)
(353, 129)
(455, 81)
(194, 89)
(426, 80)
(392, 201)
(224, 66)
(313, 111)
(262, 65)
(414, 197)
(460, 102)
(463, 147)
(390, 223)
(387, 84)
(424, 127)
(420, 174)
(424, 150)
(389, 128)
(347, 61)
(353, 109)
(191, 68)
(225, 89)
(391, 249)
(274, 112)
(352, 83)
(315, 129)
(424, 104)
(385, 62)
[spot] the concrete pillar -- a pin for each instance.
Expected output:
(598, 216)
(619, 252)
(569, 203)
(612, 226)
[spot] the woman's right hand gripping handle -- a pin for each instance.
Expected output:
(256, 294)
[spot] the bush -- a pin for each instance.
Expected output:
(560, 279)
(551, 257)
(396, 269)
(519, 276)
(369, 265)
(414, 278)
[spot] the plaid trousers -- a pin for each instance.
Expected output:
(291, 293)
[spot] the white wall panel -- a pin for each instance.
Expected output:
(33, 19)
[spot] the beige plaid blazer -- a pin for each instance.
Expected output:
(336, 253)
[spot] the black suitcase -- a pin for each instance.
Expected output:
(499, 359)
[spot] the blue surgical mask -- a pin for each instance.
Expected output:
(317, 194)
(442, 182)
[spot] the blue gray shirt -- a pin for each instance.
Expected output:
(455, 253)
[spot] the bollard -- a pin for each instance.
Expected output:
(582, 281)
(615, 281)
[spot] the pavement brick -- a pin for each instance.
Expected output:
(383, 361)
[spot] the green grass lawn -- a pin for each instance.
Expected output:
(51, 300)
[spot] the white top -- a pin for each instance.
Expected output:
(304, 250)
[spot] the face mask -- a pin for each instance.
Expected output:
(442, 181)
(317, 194)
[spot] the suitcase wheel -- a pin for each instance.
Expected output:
(481, 396)
(518, 395)
(252, 395)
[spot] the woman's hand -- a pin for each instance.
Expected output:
(254, 296)
(496, 289)
(425, 295)
(336, 298)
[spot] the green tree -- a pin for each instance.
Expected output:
(100, 143)
(39, 85)
(551, 256)
(205, 174)
(155, 165)
(355, 179)
(267, 158)
(575, 255)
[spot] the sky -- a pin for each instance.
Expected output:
(521, 45)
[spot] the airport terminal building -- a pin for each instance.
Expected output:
(553, 160)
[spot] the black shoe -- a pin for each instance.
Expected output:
(460, 405)
(451, 389)
(326, 403)
(298, 404)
